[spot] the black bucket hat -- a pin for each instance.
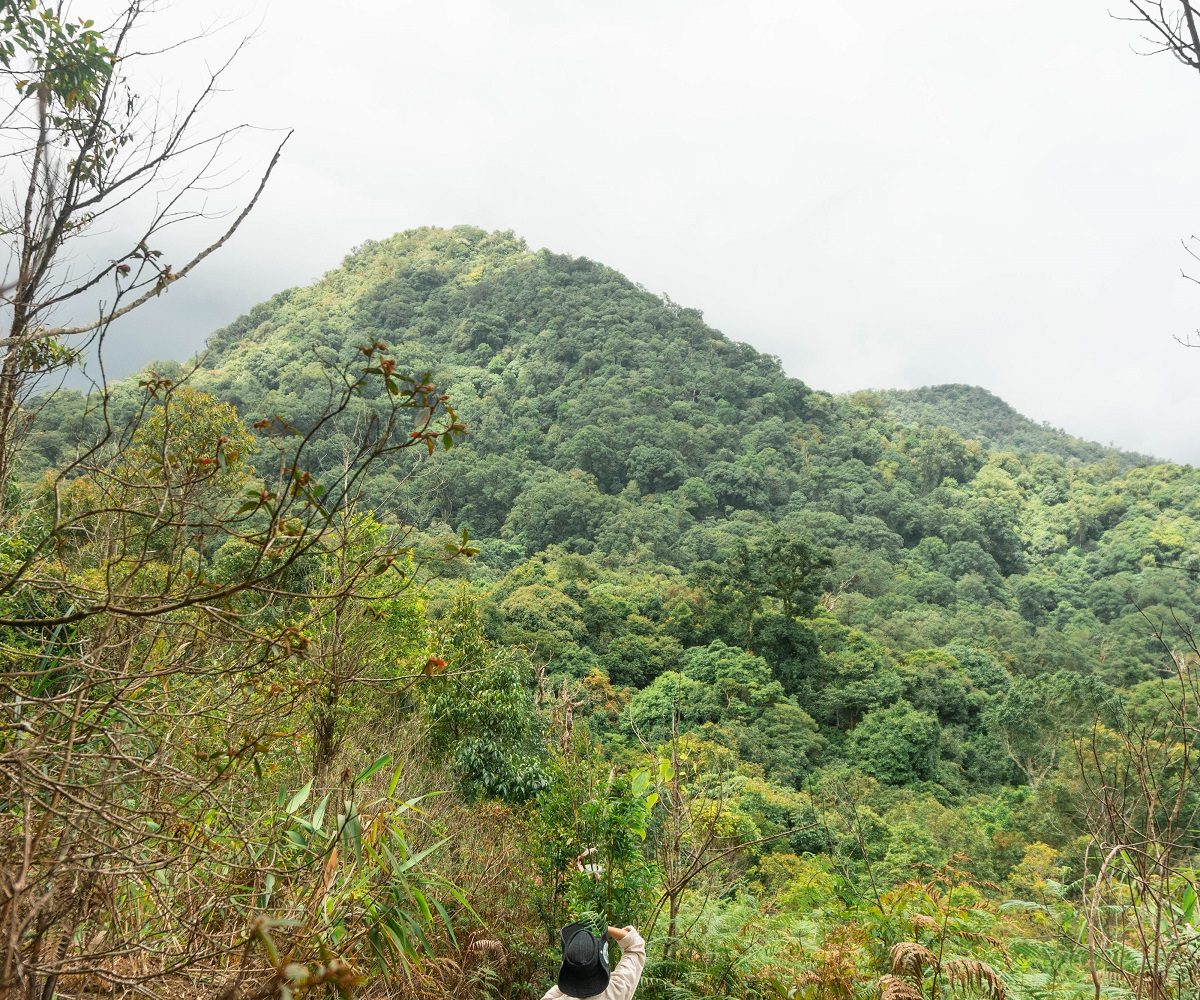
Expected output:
(584, 970)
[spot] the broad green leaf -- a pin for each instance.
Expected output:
(299, 798)
(319, 813)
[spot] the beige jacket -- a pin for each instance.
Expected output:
(625, 977)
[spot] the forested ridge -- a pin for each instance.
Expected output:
(609, 423)
(978, 414)
(829, 683)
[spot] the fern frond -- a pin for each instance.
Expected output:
(970, 974)
(922, 921)
(911, 958)
(892, 988)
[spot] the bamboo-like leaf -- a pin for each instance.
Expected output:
(371, 769)
(418, 897)
(418, 858)
(299, 798)
(318, 815)
(445, 918)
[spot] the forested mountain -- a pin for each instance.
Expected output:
(607, 421)
(866, 628)
(975, 413)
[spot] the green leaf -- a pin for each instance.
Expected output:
(299, 798)
(446, 922)
(1187, 903)
(416, 859)
(382, 762)
(400, 947)
(319, 813)
(353, 834)
(418, 897)
(639, 783)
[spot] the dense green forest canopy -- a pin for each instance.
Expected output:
(973, 412)
(609, 423)
(867, 626)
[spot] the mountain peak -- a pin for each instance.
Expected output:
(976, 413)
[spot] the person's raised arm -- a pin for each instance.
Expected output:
(628, 973)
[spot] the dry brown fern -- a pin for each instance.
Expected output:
(893, 988)
(971, 974)
(832, 972)
(1139, 983)
(910, 958)
(979, 938)
(488, 947)
(922, 921)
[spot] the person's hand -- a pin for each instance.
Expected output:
(590, 867)
(616, 933)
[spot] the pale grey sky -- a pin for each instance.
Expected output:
(882, 194)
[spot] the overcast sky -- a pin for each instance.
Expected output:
(881, 194)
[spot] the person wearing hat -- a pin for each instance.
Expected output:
(584, 971)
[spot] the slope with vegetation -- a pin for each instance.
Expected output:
(973, 412)
(836, 693)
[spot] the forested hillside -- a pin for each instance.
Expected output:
(818, 677)
(608, 423)
(976, 413)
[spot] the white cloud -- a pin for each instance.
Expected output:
(882, 195)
